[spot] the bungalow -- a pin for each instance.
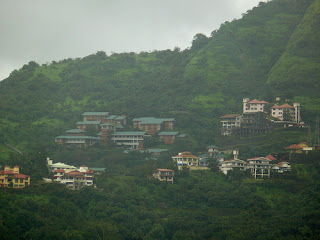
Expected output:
(132, 140)
(94, 116)
(10, 177)
(164, 175)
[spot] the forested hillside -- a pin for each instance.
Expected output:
(272, 51)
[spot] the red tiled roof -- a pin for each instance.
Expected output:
(257, 101)
(83, 166)
(293, 146)
(20, 176)
(276, 106)
(74, 173)
(59, 170)
(6, 172)
(89, 171)
(230, 116)
(270, 157)
(286, 106)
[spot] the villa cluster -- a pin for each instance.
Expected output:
(259, 167)
(74, 178)
(110, 128)
(256, 119)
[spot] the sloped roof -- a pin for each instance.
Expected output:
(88, 123)
(164, 169)
(257, 101)
(59, 170)
(293, 147)
(168, 133)
(213, 146)
(270, 157)
(20, 176)
(151, 121)
(77, 130)
(286, 105)
(95, 113)
(230, 116)
(156, 150)
(275, 106)
(128, 133)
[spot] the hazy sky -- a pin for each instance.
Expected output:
(47, 30)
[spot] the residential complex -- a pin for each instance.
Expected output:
(73, 177)
(256, 119)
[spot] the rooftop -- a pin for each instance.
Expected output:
(129, 133)
(230, 116)
(77, 137)
(88, 123)
(257, 101)
(77, 130)
(168, 133)
(95, 113)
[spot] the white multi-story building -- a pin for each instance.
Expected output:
(132, 140)
(253, 106)
(260, 167)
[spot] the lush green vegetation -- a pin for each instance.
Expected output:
(199, 205)
(251, 57)
(272, 51)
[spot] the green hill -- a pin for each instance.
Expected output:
(251, 57)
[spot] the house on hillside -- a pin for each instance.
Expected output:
(287, 112)
(229, 122)
(253, 106)
(11, 178)
(281, 167)
(94, 116)
(260, 167)
(164, 175)
(229, 165)
(186, 159)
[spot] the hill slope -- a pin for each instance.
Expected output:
(244, 58)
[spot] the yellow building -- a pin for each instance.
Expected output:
(164, 175)
(10, 177)
(186, 159)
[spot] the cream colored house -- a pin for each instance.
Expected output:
(164, 174)
(287, 112)
(253, 106)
